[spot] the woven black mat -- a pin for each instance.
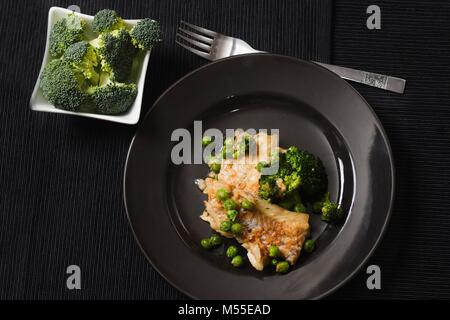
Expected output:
(61, 177)
(413, 43)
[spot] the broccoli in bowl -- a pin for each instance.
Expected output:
(301, 178)
(93, 63)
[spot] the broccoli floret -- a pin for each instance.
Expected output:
(116, 53)
(64, 33)
(300, 207)
(298, 171)
(107, 20)
(330, 211)
(146, 33)
(114, 97)
(261, 165)
(83, 59)
(291, 180)
(268, 188)
(62, 86)
(308, 172)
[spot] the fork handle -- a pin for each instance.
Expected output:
(368, 78)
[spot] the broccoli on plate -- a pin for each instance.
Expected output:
(298, 171)
(330, 211)
(107, 20)
(305, 171)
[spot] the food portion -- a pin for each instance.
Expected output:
(265, 211)
(66, 32)
(116, 53)
(258, 228)
(93, 75)
(107, 20)
(299, 171)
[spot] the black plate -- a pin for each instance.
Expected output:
(314, 110)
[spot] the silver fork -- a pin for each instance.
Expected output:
(212, 45)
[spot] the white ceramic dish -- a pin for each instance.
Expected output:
(39, 103)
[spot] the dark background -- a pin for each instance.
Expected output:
(61, 177)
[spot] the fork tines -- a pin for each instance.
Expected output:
(195, 39)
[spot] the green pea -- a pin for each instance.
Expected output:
(228, 141)
(282, 267)
(227, 150)
(247, 140)
(215, 167)
(274, 262)
(261, 165)
(309, 246)
(236, 228)
(222, 194)
(215, 240)
(232, 214)
(231, 252)
(286, 204)
(274, 252)
(247, 204)
(206, 243)
(225, 226)
(229, 204)
(237, 261)
(317, 207)
(299, 207)
(207, 140)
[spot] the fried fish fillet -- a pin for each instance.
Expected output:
(265, 225)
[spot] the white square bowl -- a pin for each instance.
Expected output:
(39, 103)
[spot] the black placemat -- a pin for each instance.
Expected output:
(61, 176)
(413, 43)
